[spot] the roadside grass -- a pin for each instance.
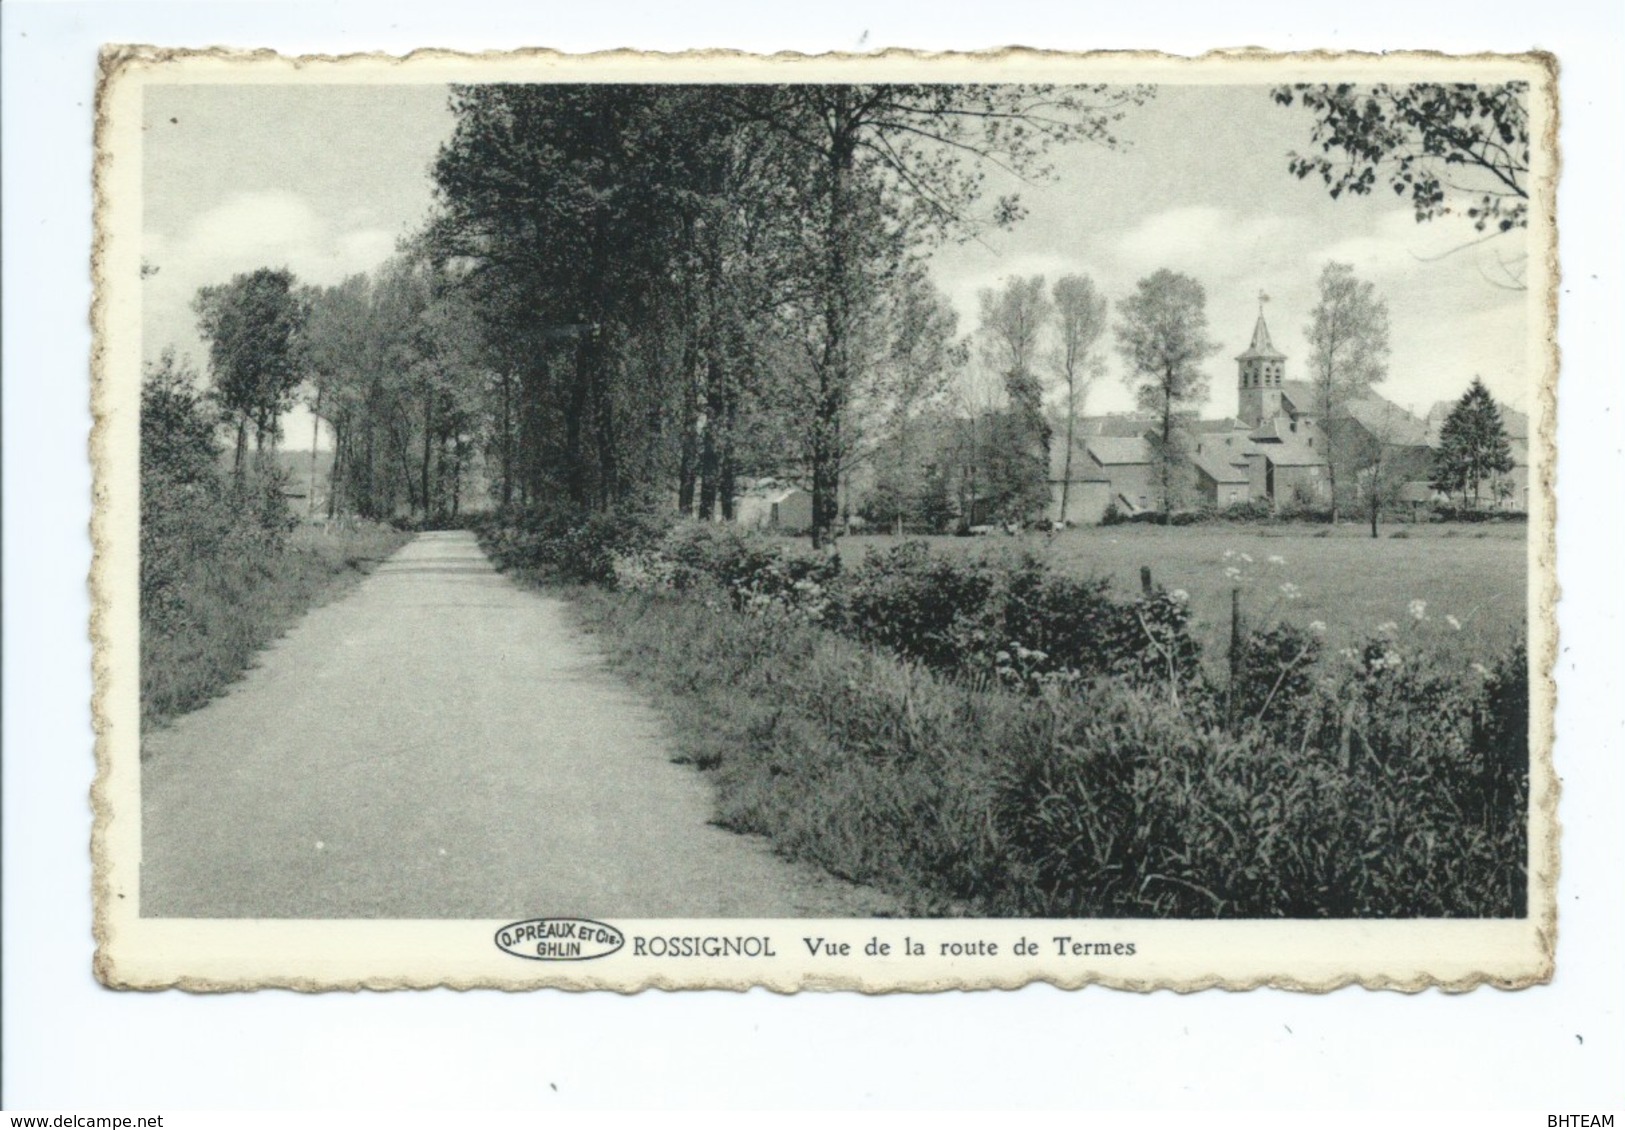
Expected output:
(1348, 582)
(959, 797)
(226, 607)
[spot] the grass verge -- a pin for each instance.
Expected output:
(226, 608)
(1106, 800)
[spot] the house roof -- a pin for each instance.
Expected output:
(1261, 348)
(1215, 466)
(1515, 422)
(1213, 427)
(1084, 469)
(1387, 422)
(1116, 450)
(1294, 454)
(1122, 426)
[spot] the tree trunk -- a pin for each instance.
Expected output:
(240, 458)
(835, 374)
(1071, 430)
(428, 451)
(507, 438)
(315, 434)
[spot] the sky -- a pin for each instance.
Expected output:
(325, 179)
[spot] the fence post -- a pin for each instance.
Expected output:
(1235, 652)
(1145, 579)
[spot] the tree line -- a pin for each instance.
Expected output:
(630, 295)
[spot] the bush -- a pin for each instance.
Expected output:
(919, 604)
(1253, 510)
(1090, 800)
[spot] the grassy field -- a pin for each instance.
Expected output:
(1344, 579)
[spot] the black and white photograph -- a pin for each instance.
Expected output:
(886, 523)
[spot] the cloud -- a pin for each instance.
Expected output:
(247, 231)
(1212, 244)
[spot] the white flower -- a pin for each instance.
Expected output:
(1483, 671)
(1317, 625)
(1181, 596)
(1419, 610)
(1277, 559)
(1247, 557)
(1387, 628)
(1233, 573)
(1290, 590)
(1229, 553)
(1453, 622)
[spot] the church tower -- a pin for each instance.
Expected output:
(1262, 369)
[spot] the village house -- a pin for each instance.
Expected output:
(1274, 450)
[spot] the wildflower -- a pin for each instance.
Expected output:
(1247, 557)
(1180, 595)
(1454, 623)
(1290, 590)
(1349, 654)
(1233, 573)
(1483, 671)
(1318, 626)
(1387, 628)
(1229, 553)
(1419, 610)
(1277, 559)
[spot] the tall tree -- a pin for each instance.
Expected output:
(1013, 322)
(1080, 319)
(1473, 445)
(253, 325)
(1163, 338)
(916, 151)
(1348, 339)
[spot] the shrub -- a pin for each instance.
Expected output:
(1094, 799)
(922, 605)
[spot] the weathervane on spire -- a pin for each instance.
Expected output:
(1262, 298)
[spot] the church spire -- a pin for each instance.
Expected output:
(1260, 372)
(1262, 348)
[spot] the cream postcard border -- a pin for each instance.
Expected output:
(133, 952)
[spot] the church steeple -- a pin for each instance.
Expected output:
(1261, 370)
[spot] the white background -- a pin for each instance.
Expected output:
(71, 1044)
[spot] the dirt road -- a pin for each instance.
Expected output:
(442, 744)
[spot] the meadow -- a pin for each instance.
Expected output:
(1002, 737)
(1341, 577)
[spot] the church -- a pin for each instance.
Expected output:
(1273, 450)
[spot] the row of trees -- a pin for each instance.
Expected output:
(632, 292)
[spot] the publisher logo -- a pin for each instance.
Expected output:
(559, 939)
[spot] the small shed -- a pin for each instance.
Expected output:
(771, 505)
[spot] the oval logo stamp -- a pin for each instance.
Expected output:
(559, 939)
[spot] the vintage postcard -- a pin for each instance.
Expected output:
(882, 523)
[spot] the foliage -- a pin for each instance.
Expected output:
(254, 326)
(1427, 141)
(1348, 338)
(1096, 799)
(1162, 336)
(223, 568)
(1473, 445)
(1080, 318)
(1013, 321)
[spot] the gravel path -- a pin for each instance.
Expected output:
(442, 744)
